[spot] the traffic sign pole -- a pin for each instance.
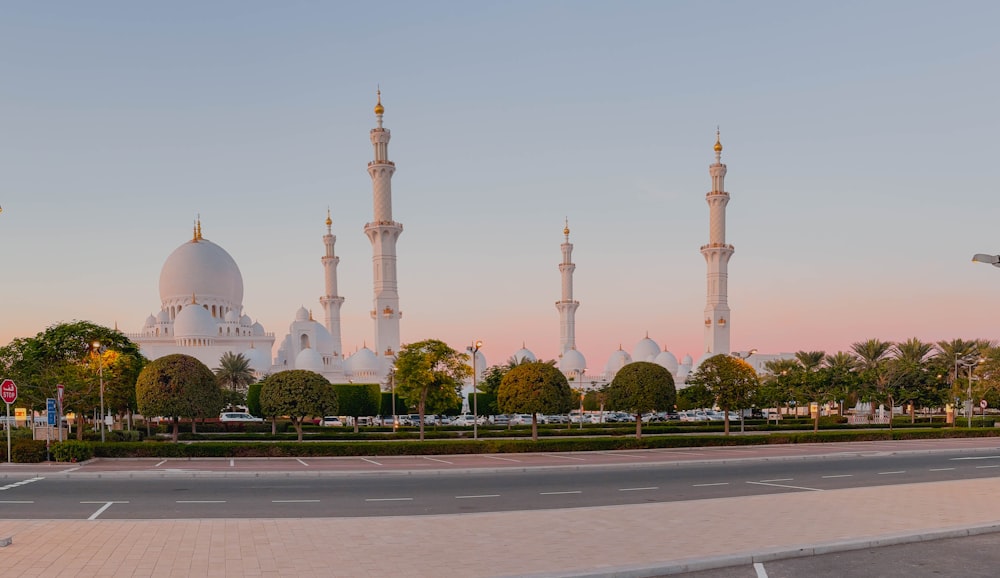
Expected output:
(8, 393)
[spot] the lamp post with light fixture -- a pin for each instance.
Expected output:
(99, 350)
(474, 348)
(743, 357)
(970, 364)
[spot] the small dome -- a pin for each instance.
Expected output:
(687, 360)
(667, 360)
(572, 362)
(150, 321)
(259, 359)
(302, 314)
(309, 359)
(232, 316)
(163, 316)
(195, 321)
(257, 329)
(245, 321)
(683, 371)
(702, 359)
(364, 363)
(618, 360)
(524, 355)
(645, 350)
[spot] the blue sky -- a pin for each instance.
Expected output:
(860, 137)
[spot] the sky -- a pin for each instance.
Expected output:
(861, 140)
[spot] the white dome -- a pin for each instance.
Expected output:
(524, 355)
(203, 269)
(687, 360)
(232, 316)
(302, 314)
(195, 321)
(572, 362)
(683, 371)
(163, 317)
(150, 321)
(259, 359)
(618, 360)
(246, 321)
(480, 362)
(645, 350)
(309, 359)
(364, 363)
(667, 360)
(324, 341)
(257, 329)
(702, 359)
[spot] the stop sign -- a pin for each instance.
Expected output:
(8, 391)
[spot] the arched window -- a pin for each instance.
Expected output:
(304, 341)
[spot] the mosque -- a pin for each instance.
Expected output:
(201, 302)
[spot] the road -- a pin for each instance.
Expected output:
(364, 487)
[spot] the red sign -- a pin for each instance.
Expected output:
(59, 392)
(8, 391)
(982, 404)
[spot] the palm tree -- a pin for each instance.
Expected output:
(841, 369)
(234, 372)
(810, 360)
(872, 356)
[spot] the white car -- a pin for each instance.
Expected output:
(467, 420)
(236, 416)
(331, 420)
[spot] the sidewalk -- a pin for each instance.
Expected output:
(633, 540)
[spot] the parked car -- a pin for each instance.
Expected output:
(466, 420)
(233, 416)
(502, 419)
(330, 421)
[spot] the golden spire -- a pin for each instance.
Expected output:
(193, 300)
(198, 229)
(718, 141)
(566, 228)
(379, 109)
(194, 232)
(311, 315)
(329, 221)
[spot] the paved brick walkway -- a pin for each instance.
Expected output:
(634, 540)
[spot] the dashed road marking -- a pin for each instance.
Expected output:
(301, 462)
(706, 485)
(200, 501)
(940, 469)
(982, 467)
(294, 501)
(160, 464)
(17, 501)
(560, 493)
(786, 486)
(976, 458)
(778, 480)
(638, 489)
(21, 483)
(892, 473)
(371, 461)
(838, 476)
(101, 509)
(479, 496)
(388, 499)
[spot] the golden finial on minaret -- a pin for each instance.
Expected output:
(194, 232)
(718, 140)
(193, 300)
(379, 109)
(329, 221)
(198, 231)
(566, 228)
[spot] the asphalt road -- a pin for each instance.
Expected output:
(567, 481)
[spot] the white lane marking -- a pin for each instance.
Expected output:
(564, 457)
(160, 464)
(891, 473)
(839, 476)
(70, 470)
(559, 493)
(940, 469)
(778, 480)
(706, 485)
(977, 458)
(200, 501)
(479, 496)
(301, 462)
(638, 489)
(388, 499)
(622, 455)
(499, 458)
(440, 461)
(101, 509)
(232, 462)
(786, 486)
(759, 568)
(294, 501)
(17, 501)
(21, 483)
(371, 461)
(981, 467)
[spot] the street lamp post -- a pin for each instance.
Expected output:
(474, 348)
(100, 371)
(744, 358)
(969, 364)
(392, 384)
(582, 394)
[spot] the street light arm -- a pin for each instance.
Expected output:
(984, 258)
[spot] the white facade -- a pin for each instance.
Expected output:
(717, 254)
(571, 362)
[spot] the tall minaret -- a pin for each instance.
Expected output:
(717, 254)
(567, 306)
(383, 233)
(331, 301)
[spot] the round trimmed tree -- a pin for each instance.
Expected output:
(178, 386)
(732, 382)
(641, 387)
(534, 388)
(297, 393)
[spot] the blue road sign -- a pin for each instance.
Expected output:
(50, 407)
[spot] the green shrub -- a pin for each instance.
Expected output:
(27, 451)
(72, 451)
(123, 436)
